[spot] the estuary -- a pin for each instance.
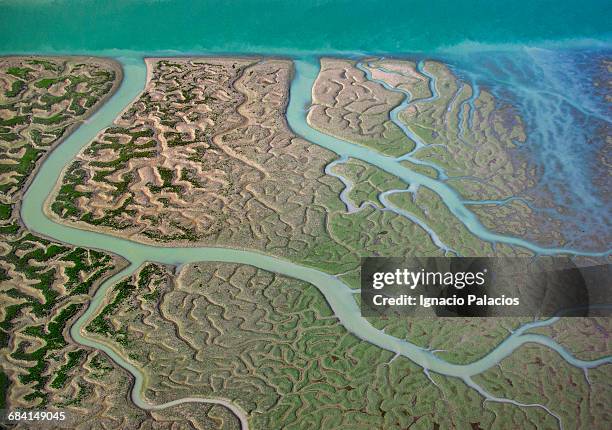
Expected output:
(338, 295)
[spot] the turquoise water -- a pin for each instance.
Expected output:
(564, 109)
(290, 26)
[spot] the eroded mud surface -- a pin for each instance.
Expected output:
(205, 157)
(44, 285)
(457, 134)
(219, 166)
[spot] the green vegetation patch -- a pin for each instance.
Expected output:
(40, 264)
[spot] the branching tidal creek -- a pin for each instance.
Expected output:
(339, 296)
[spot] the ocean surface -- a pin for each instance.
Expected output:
(287, 26)
(541, 56)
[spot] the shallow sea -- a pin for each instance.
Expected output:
(288, 26)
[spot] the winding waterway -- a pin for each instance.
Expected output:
(338, 295)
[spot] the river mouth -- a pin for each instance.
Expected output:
(337, 294)
(306, 70)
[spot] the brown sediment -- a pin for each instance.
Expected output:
(116, 83)
(43, 287)
(220, 167)
(225, 157)
(347, 105)
(481, 161)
